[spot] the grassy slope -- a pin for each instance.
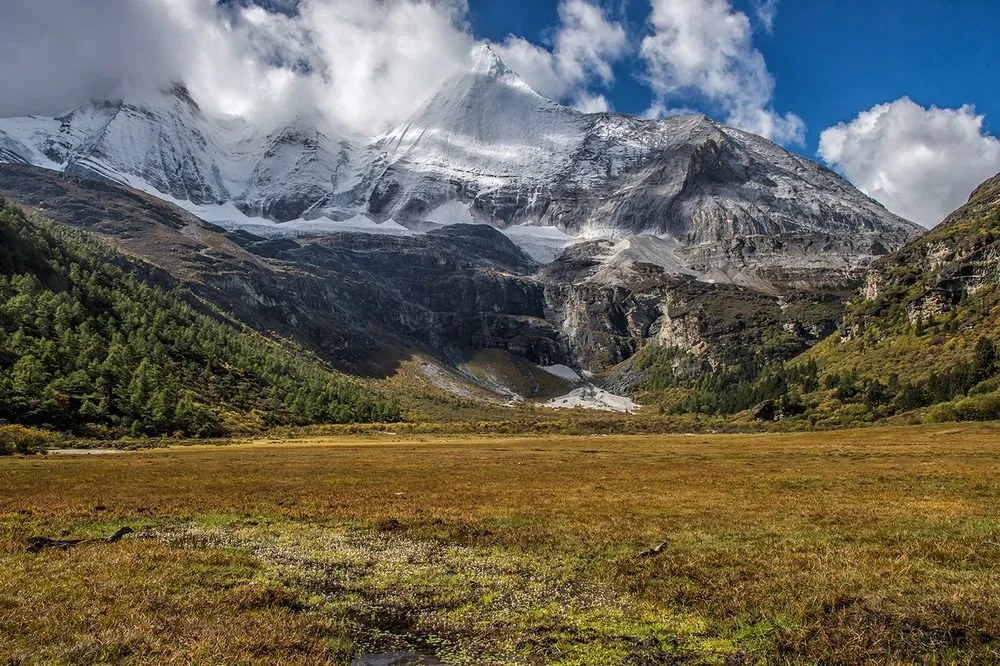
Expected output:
(935, 300)
(492, 367)
(90, 338)
(876, 545)
(884, 339)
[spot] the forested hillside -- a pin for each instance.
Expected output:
(88, 345)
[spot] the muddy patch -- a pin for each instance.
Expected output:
(86, 452)
(411, 601)
(397, 659)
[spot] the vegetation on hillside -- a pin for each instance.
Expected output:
(924, 341)
(928, 333)
(87, 344)
(750, 345)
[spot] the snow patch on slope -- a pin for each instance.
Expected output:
(591, 397)
(230, 218)
(543, 244)
(24, 137)
(452, 212)
(617, 264)
(563, 372)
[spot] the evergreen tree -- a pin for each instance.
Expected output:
(85, 342)
(985, 359)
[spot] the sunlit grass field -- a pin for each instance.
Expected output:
(878, 545)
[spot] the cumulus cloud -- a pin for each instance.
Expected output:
(61, 53)
(920, 163)
(380, 60)
(363, 65)
(585, 47)
(592, 103)
(703, 50)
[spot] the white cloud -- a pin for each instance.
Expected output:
(61, 53)
(361, 64)
(919, 163)
(589, 103)
(585, 47)
(703, 50)
(766, 11)
(57, 54)
(380, 60)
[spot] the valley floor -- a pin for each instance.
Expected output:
(879, 545)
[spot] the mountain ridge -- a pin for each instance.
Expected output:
(484, 149)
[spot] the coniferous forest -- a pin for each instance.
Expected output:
(88, 345)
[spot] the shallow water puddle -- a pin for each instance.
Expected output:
(397, 659)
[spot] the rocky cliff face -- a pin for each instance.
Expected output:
(354, 297)
(607, 321)
(359, 297)
(949, 264)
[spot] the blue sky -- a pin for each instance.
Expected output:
(830, 59)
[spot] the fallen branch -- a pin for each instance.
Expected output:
(37, 544)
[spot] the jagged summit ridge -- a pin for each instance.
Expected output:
(488, 63)
(484, 148)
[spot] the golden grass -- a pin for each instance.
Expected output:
(878, 545)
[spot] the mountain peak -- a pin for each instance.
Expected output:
(181, 92)
(488, 63)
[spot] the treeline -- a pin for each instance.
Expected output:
(86, 345)
(939, 387)
(734, 389)
(737, 386)
(731, 388)
(747, 374)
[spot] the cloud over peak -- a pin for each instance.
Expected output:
(703, 50)
(920, 163)
(585, 47)
(363, 65)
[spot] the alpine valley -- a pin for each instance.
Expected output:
(503, 247)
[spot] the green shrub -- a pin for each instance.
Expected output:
(20, 440)
(974, 408)
(943, 413)
(987, 386)
(979, 408)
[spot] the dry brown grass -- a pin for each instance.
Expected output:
(878, 545)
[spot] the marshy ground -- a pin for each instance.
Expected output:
(878, 545)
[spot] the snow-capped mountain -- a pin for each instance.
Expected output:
(157, 142)
(163, 143)
(484, 148)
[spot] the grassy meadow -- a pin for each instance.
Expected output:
(867, 546)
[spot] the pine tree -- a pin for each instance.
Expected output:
(985, 359)
(83, 341)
